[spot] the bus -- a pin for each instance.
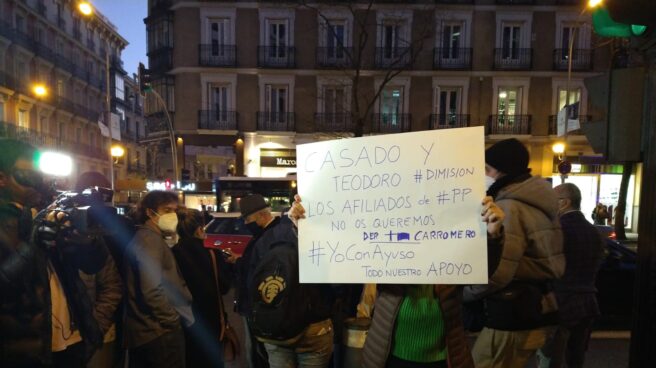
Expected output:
(278, 192)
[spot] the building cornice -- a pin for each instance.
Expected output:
(376, 73)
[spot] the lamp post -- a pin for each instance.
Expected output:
(85, 8)
(570, 51)
(116, 152)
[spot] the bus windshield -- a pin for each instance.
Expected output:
(278, 192)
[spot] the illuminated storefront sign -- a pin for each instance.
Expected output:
(168, 185)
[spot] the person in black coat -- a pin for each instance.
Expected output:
(204, 348)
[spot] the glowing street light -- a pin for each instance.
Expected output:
(85, 8)
(117, 151)
(40, 90)
(594, 3)
(558, 148)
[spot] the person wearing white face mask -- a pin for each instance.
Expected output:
(158, 300)
(520, 305)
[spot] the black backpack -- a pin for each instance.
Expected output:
(281, 307)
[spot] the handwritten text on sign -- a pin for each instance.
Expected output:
(400, 208)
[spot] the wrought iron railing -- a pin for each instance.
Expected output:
(217, 55)
(217, 120)
(393, 57)
(334, 57)
(276, 57)
(581, 59)
(333, 122)
(452, 58)
(391, 123)
(509, 58)
(275, 121)
(509, 124)
(445, 121)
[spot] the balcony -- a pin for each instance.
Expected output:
(553, 124)
(44, 140)
(38, 139)
(136, 168)
(23, 39)
(217, 55)
(452, 58)
(117, 63)
(41, 8)
(334, 57)
(276, 57)
(333, 122)
(7, 80)
(44, 52)
(63, 103)
(275, 121)
(446, 121)
(64, 63)
(160, 60)
(217, 120)
(80, 72)
(581, 59)
(509, 124)
(393, 57)
(515, 2)
(513, 59)
(391, 123)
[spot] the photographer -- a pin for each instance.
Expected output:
(45, 316)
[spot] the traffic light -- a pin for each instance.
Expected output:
(610, 19)
(616, 102)
(144, 79)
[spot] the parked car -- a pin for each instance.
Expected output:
(227, 231)
(615, 281)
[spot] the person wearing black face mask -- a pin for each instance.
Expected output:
(257, 218)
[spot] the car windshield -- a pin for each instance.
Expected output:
(227, 226)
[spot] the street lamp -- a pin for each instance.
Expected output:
(590, 4)
(117, 152)
(40, 90)
(85, 8)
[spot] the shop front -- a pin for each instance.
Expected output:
(600, 183)
(193, 194)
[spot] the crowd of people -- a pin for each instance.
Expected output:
(144, 291)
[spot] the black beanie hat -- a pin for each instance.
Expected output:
(508, 156)
(251, 204)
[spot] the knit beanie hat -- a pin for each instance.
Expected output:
(251, 204)
(508, 156)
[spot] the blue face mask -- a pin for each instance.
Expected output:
(254, 228)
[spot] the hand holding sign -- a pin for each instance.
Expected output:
(493, 216)
(402, 208)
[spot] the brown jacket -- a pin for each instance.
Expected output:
(378, 345)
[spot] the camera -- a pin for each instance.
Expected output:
(85, 211)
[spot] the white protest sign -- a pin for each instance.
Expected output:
(399, 208)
